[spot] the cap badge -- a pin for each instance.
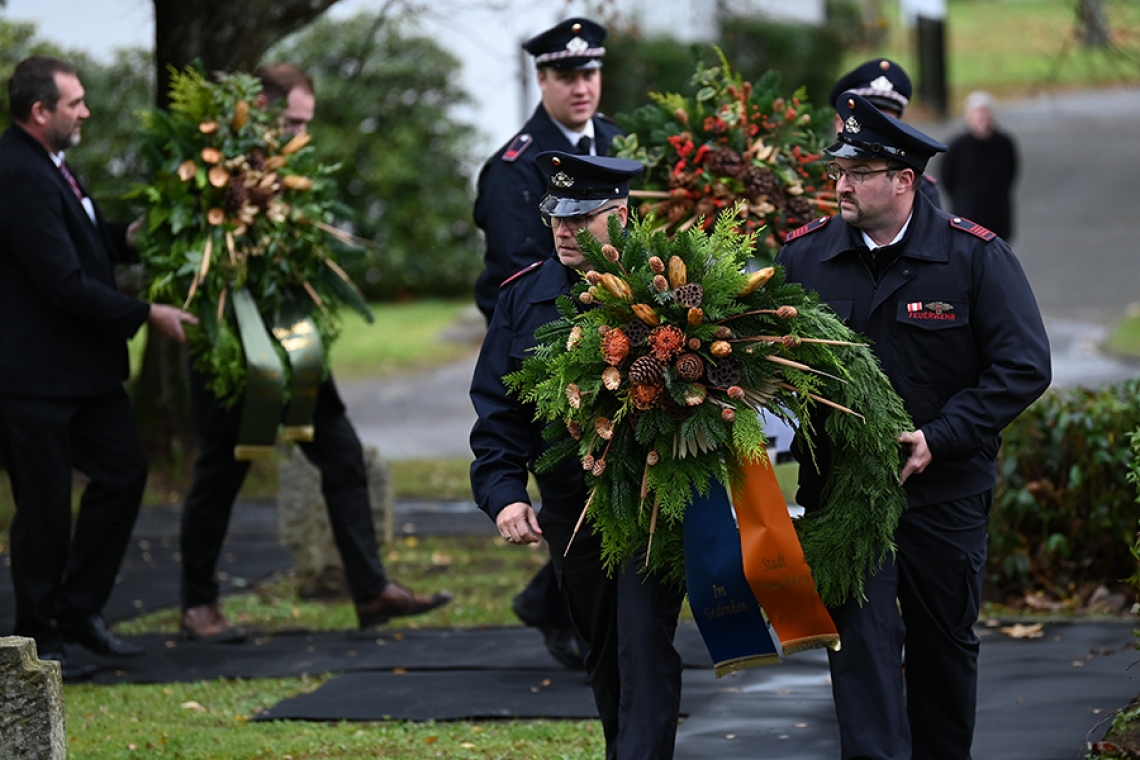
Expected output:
(882, 83)
(577, 45)
(852, 126)
(562, 179)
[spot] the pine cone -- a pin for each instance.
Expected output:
(644, 396)
(256, 160)
(759, 181)
(236, 196)
(686, 180)
(723, 374)
(666, 342)
(674, 209)
(262, 196)
(646, 370)
(636, 331)
(615, 347)
(724, 162)
(801, 209)
(689, 295)
(705, 207)
(690, 367)
(676, 412)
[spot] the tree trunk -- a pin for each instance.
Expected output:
(218, 35)
(1094, 23)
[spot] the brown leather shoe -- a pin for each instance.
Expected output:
(206, 623)
(397, 601)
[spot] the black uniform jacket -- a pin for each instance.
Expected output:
(506, 208)
(955, 325)
(506, 440)
(63, 325)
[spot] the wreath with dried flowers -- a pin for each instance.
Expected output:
(731, 146)
(658, 380)
(238, 204)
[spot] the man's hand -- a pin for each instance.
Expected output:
(133, 232)
(168, 320)
(920, 456)
(518, 524)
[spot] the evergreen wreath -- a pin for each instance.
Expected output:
(237, 203)
(658, 378)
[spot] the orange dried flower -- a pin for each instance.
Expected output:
(666, 342)
(615, 347)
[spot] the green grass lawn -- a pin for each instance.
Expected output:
(1124, 341)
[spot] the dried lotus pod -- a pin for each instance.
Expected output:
(689, 294)
(656, 264)
(724, 373)
(637, 331)
(690, 367)
(695, 316)
(611, 378)
(646, 314)
(678, 274)
(720, 349)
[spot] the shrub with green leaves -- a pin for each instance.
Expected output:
(1065, 510)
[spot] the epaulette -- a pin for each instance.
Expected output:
(930, 178)
(960, 223)
(807, 228)
(517, 147)
(519, 274)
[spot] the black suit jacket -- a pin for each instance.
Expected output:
(63, 325)
(506, 208)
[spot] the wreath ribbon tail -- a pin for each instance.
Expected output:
(730, 621)
(774, 563)
(302, 344)
(265, 383)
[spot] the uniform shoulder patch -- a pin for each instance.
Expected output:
(517, 147)
(807, 228)
(930, 178)
(961, 223)
(519, 274)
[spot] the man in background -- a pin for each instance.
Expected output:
(335, 451)
(64, 349)
(568, 58)
(980, 169)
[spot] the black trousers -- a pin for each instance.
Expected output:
(58, 572)
(335, 451)
(928, 712)
(628, 621)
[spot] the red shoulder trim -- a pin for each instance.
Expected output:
(519, 274)
(930, 178)
(960, 223)
(517, 147)
(807, 228)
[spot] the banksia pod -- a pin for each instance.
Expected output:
(644, 396)
(690, 367)
(297, 182)
(604, 428)
(298, 142)
(646, 370)
(666, 342)
(656, 264)
(610, 253)
(186, 170)
(787, 312)
(678, 275)
(611, 378)
(756, 279)
(644, 313)
(211, 155)
(241, 115)
(695, 317)
(689, 294)
(720, 349)
(722, 333)
(576, 335)
(615, 347)
(617, 286)
(660, 284)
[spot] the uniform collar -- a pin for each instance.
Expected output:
(554, 279)
(924, 236)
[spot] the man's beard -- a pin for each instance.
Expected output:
(60, 142)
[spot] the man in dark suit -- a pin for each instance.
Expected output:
(568, 57)
(335, 450)
(62, 403)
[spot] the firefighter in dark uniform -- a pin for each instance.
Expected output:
(628, 621)
(885, 85)
(568, 57)
(950, 314)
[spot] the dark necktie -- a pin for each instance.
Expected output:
(584, 143)
(72, 181)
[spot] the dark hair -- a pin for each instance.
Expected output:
(33, 82)
(279, 79)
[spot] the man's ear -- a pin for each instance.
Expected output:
(908, 178)
(40, 113)
(623, 213)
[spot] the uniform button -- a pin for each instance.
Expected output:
(906, 273)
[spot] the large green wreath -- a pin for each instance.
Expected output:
(658, 380)
(236, 203)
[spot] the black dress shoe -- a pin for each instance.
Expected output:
(92, 633)
(71, 671)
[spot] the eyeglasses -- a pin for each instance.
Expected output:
(854, 176)
(577, 222)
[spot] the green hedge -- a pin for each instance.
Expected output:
(1065, 511)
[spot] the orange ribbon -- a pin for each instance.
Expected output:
(774, 563)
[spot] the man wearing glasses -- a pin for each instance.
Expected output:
(953, 321)
(568, 58)
(637, 685)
